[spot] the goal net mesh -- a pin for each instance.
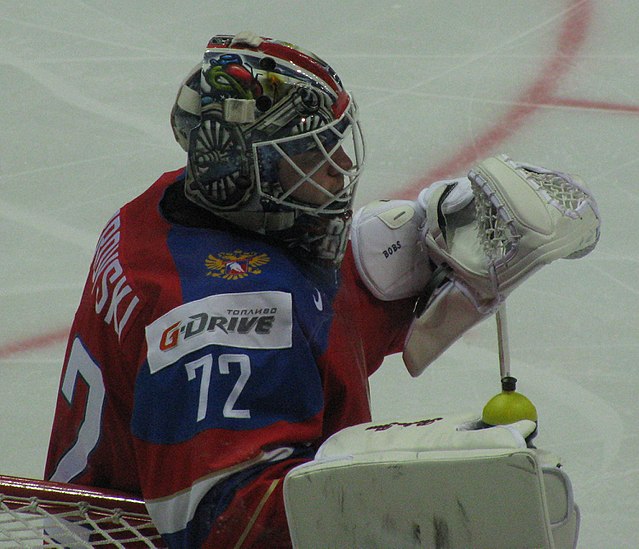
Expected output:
(44, 514)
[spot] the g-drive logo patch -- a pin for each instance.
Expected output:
(251, 320)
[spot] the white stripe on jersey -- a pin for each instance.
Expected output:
(173, 513)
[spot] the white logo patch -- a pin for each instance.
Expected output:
(251, 320)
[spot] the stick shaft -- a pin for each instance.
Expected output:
(502, 341)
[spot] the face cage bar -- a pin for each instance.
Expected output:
(335, 203)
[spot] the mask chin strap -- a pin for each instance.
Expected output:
(328, 246)
(260, 222)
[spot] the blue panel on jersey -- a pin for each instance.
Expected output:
(214, 262)
(220, 387)
(210, 261)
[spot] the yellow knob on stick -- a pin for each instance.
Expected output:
(508, 406)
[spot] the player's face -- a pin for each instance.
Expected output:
(326, 176)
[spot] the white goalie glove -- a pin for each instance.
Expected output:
(478, 239)
(523, 217)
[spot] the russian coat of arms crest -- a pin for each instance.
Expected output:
(236, 264)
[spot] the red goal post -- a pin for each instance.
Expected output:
(37, 513)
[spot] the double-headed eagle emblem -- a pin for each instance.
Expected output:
(236, 264)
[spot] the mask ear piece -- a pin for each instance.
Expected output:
(218, 164)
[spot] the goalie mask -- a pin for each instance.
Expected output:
(262, 122)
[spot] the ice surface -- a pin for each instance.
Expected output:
(86, 89)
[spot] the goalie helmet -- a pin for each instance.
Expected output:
(247, 112)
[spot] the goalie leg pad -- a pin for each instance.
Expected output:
(427, 483)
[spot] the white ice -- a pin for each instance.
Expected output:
(85, 92)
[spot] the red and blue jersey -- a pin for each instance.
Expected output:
(203, 364)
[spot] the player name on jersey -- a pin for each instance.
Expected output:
(109, 281)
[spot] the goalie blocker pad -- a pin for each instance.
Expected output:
(387, 245)
(431, 483)
(522, 217)
(387, 251)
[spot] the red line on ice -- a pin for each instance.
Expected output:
(573, 33)
(588, 104)
(571, 38)
(34, 343)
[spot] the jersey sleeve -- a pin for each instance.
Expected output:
(90, 442)
(382, 325)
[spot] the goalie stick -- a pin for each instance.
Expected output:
(502, 341)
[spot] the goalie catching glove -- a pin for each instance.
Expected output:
(476, 240)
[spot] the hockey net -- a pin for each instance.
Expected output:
(35, 513)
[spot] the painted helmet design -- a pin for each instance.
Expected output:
(248, 113)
